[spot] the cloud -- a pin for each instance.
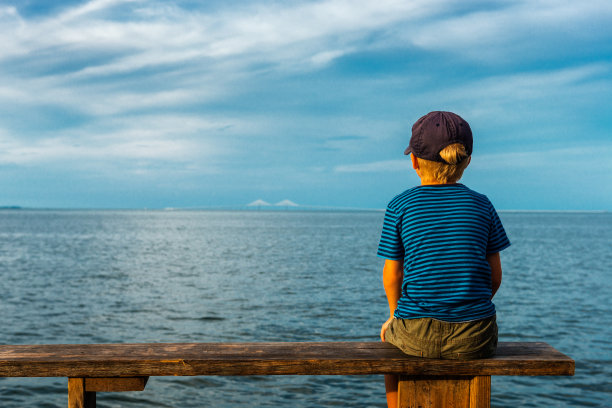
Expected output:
(89, 8)
(539, 83)
(542, 103)
(61, 149)
(107, 57)
(374, 167)
(578, 159)
(586, 160)
(159, 34)
(252, 88)
(507, 31)
(291, 35)
(162, 138)
(194, 56)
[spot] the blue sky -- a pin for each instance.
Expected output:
(132, 104)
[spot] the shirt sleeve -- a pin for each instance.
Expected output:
(390, 246)
(498, 240)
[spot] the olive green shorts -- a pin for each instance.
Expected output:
(431, 338)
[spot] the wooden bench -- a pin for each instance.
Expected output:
(92, 368)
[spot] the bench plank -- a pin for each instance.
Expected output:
(312, 358)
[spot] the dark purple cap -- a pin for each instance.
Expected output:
(436, 130)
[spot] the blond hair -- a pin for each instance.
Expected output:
(457, 158)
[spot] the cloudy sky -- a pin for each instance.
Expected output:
(132, 104)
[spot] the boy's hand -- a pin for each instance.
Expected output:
(384, 328)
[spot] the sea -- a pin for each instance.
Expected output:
(241, 276)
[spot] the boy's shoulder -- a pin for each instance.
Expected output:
(418, 194)
(399, 201)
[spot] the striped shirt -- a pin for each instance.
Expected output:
(443, 233)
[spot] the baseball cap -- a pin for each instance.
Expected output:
(436, 130)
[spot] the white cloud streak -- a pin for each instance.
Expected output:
(584, 161)
(375, 167)
(510, 30)
(315, 32)
(167, 138)
(88, 61)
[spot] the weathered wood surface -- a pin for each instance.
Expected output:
(445, 392)
(78, 397)
(480, 392)
(114, 384)
(82, 391)
(320, 358)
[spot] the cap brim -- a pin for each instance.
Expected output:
(407, 151)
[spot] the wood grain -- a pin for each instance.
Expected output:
(434, 392)
(480, 392)
(76, 393)
(78, 397)
(115, 384)
(314, 358)
(444, 392)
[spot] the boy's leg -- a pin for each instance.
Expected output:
(391, 381)
(395, 335)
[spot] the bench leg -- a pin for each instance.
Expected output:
(78, 397)
(82, 391)
(442, 392)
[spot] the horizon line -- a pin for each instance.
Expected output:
(269, 208)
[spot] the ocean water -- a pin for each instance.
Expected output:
(202, 276)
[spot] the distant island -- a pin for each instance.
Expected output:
(261, 203)
(10, 207)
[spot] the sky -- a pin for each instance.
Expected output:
(195, 104)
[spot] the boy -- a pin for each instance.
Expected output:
(441, 244)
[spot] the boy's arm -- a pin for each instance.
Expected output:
(393, 275)
(496, 272)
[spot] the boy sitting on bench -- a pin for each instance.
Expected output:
(441, 243)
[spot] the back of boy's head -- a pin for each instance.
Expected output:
(442, 144)
(457, 158)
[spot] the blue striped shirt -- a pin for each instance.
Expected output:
(443, 233)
